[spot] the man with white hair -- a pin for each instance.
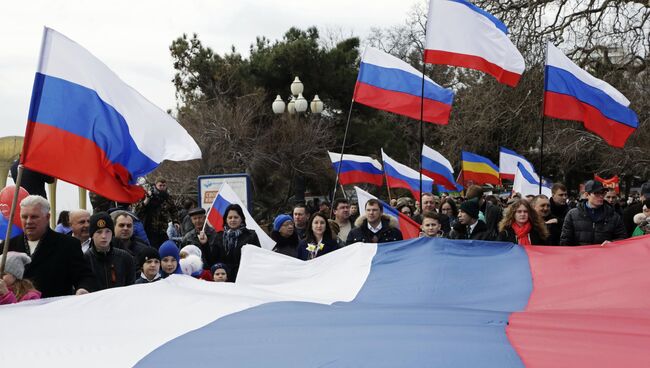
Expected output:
(58, 266)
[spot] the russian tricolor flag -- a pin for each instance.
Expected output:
(508, 160)
(527, 183)
(573, 94)
(426, 302)
(16, 226)
(390, 84)
(409, 228)
(438, 168)
(402, 176)
(89, 128)
(224, 198)
(461, 34)
(357, 169)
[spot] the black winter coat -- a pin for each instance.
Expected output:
(459, 231)
(508, 235)
(232, 257)
(580, 229)
(111, 269)
(329, 245)
(362, 233)
(287, 246)
(58, 266)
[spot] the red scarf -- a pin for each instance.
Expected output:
(522, 232)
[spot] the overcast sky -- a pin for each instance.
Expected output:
(132, 37)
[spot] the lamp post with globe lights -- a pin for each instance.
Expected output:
(297, 103)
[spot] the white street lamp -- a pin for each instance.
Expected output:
(291, 106)
(301, 104)
(278, 105)
(316, 105)
(296, 87)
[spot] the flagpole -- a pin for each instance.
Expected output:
(10, 220)
(543, 120)
(422, 123)
(345, 137)
(388, 188)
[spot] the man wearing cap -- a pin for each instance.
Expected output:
(633, 209)
(111, 266)
(202, 238)
(58, 267)
(469, 226)
(123, 234)
(592, 222)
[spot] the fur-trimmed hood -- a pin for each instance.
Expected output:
(392, 221)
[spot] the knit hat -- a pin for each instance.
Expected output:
(146, 254)
(169, 248)
(470, 207)
(16, 262)
(190, 249)
(100, 220)
(281, 219)
(216, 266)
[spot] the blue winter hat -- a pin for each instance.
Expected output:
(217, 266)
(281, 219)
(169, 248)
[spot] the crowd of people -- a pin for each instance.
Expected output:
(120, 245)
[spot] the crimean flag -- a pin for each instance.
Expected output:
(426, 302)
(461, 34)
(478, 170)
(89, 128)
(391, 84)
(570, 93)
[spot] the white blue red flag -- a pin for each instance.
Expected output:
(426, 302)
(409, 228)
(438, 168)
(357, 169)
(217, 212)
(460, 33)
(401, 176)
(527, 183)
(508, 160)
(89, 128)
(391, 84)
(570, 93)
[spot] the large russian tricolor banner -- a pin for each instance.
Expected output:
(478, 169)
(89, 128)
(570, 93)
(409, 228)
(224, 198)
(357, 169)
(390, 84)
(438, 168)
(508, 160)
(425, 302)
(401, 176)
(461, 34)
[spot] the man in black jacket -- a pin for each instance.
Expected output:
(634, 208)
(469, 226)
(58, 266)
(112, 266)
(593, 221)
(374, 228)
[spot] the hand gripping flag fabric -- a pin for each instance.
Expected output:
(461, 34)
(89, 128)
(570, 93)
(401, 176)
(508, 160)
(527, 183)
(438, 168)
(391, 84)
(409, 228)
(357, 169)
(478, 170)
(217, 212)
(416, 303)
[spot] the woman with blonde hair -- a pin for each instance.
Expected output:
(522, 225)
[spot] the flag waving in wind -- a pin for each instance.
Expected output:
(401, 176)
(357, 169)
(527, 183)
(438, 168)
(390, 84)
(571, 93)
(508, 161)
(217, 213)
(89, 128)
(461, 34)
